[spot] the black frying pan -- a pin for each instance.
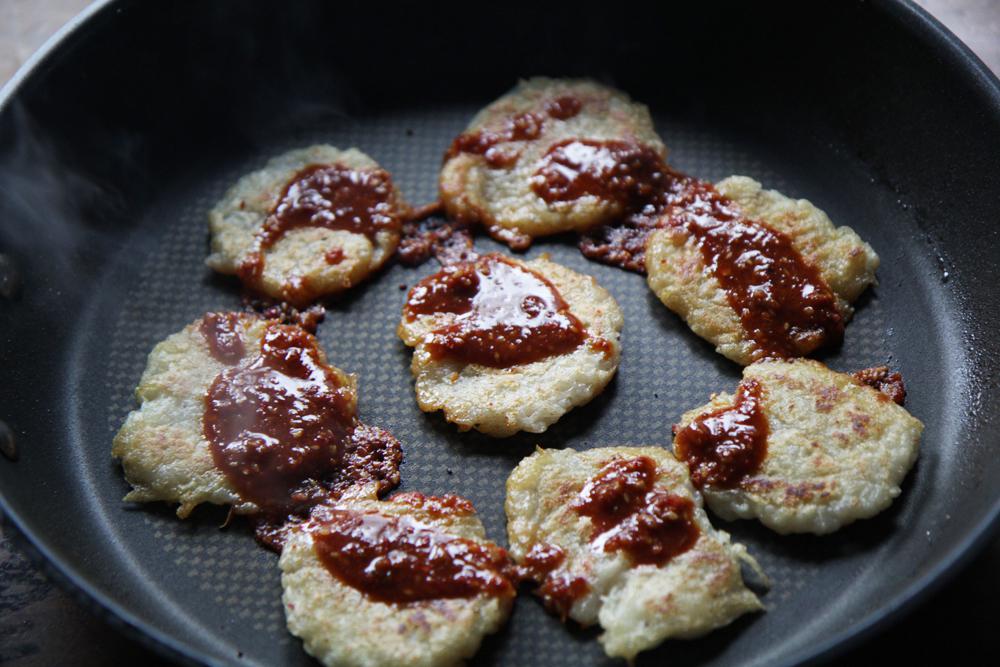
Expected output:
(115, 143)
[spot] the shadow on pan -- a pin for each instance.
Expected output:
(114, 145)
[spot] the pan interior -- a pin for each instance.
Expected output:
(144, 242)
(158, 283)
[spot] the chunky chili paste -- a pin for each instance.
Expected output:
(631, 515)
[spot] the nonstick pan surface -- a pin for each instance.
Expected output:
(114, 145)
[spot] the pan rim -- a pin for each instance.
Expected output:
(63, 574)
(908, 16)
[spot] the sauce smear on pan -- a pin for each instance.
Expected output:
(889, 385)
(426, 233)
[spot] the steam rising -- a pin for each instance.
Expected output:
(50, 211)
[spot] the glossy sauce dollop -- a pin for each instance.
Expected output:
(325, 195)
(629, 514)
(618, 171)
(563, 107)
(282, 428)
(507, 314)
(725, 446)
(397, 559)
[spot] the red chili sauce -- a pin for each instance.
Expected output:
(725, 446)
(563, 107)
(631, 177)
(631, 515)
(525, 126)
(889, 385)
(282, 428)
(507, 314)
(396, 559)
(784, 305)
(224, 336)
(558, 591)
(325, 195)
(491, 143)
(334, 256)
(616, 171)
(439, 506)
(426, 233)
(371, 458)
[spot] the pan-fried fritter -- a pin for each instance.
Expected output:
(312, 222)
(162, 446)
(617, 536)
(500, 399)
(678, 275)
(401, 615)
(491, 170)
(807, 449)
(240, 410)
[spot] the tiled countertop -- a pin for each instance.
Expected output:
(42, 625)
